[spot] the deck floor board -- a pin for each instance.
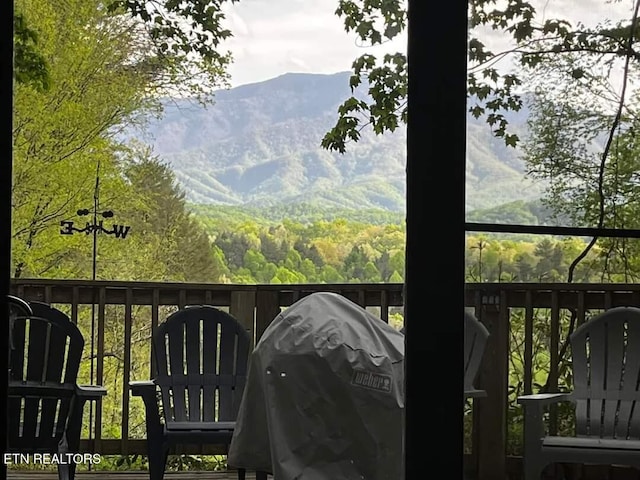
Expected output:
(190, 475)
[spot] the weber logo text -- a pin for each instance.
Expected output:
(371, 380)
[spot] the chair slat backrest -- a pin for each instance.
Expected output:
(606, 374)
(475, 340)
(201, 356)
(17, 308)
(44, 366)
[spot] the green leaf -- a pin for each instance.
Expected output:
(511, 140)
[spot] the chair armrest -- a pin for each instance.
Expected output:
(541, 399)
(141, 388)
(147, 390)
(475, 394)
(91, 392)
(533, 418)
(83, 394)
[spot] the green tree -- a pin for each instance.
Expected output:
(185, 35)
(397, 261)
(383, 263)
(492, 91)
(329, 274)
(309, 270)
(293, 260)
(545, 253)
(396, 277)
(60, 133)
(354, 263)
(267, 273)
(220, 264)
(525, 264)
(587, 154)
(29, 66)
(273, 250)
(370, 273)
(285, 275)
(242, 276)
(314, 255)
(182, 245)
(254, 261)
(234, 246)
(81, 73)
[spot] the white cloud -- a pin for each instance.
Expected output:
(273, 37)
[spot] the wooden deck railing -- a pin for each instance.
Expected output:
(515, 314)
(132, 310)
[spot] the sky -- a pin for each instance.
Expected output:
(273, 37)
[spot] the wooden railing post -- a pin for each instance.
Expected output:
(267, 308)
(494, 374)
(243, 305)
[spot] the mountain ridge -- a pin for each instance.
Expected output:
(259, 145)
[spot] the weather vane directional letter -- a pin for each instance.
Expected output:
(119, 231)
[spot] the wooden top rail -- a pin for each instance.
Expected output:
(142, 293)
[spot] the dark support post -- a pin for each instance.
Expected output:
(6, 109)
(494, 375)
(243, 305)
(436, 138)
(267, 308)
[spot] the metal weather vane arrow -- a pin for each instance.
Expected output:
(119, 231)
(94, 227)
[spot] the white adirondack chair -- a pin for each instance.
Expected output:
(606, 367)
(475, 340)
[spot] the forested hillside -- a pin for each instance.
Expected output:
(260, 145)
(334, 247)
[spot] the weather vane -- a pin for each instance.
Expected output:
(120, 231)
(94, 227)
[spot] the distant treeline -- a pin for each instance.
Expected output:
(301, 212)
(248, 247)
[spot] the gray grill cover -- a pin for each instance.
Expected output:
(324, 398)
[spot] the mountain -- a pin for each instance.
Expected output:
(258, 145)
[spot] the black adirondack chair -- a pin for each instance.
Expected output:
(45, 404)
(201, 357)
(18, 307)
(606, 369)
(475, 340)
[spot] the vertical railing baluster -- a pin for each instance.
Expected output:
(102, 301)
(581, 311)
(477, 303)
(494, 373)
(75, 299)
(608, 299)
(243, 306)
(267, 308)
(528, 342)
(384, 305)
(155, 313)
(128, 320)
(554, 358)
(48, 294)
(635, 298)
